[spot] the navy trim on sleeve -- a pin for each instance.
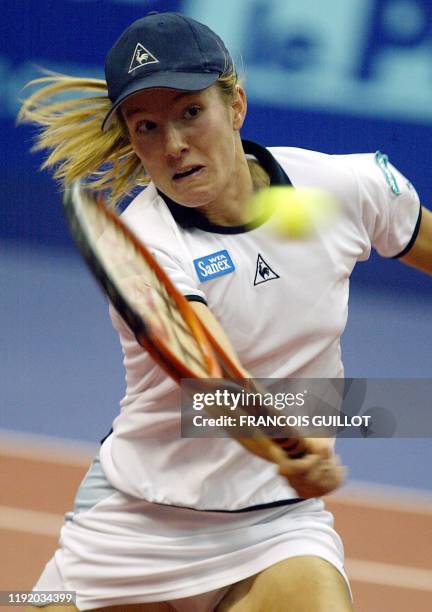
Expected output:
(413, 237)
(107, 436)
(195, 298)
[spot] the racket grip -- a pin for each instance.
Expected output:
(294, 447)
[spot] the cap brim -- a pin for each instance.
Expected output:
(171, 80)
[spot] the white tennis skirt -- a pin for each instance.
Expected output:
(126, 551)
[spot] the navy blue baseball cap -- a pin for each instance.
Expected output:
(163, 50)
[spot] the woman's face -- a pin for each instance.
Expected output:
(186, 141)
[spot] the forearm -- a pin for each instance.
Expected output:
(216, 330)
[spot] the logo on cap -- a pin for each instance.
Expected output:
(141, 57)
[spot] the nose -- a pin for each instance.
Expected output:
(175, 142)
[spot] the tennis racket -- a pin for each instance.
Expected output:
(162, 319)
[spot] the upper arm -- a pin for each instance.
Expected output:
(420, 254)
(384, 209)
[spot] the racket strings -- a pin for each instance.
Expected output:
(181, 332)
(143, 289)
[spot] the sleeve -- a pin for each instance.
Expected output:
(388, 204)
(179, 274)
(142, 372)
(152, 223)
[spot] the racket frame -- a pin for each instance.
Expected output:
(218, 364)
(158, 350)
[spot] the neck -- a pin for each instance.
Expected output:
(232, 209)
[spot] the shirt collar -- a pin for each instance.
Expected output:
(192, 218)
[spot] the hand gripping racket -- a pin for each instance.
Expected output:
(162, 319)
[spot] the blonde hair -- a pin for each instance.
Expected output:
(70, 129)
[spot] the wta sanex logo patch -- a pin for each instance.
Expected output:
(213, 265)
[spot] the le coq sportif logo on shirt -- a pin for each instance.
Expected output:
(219, 263)
(213, 265)
(263, 272)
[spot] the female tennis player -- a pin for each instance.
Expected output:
(163, 522)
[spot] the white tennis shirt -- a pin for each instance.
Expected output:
(283, 304)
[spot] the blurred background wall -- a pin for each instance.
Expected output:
(337, 76)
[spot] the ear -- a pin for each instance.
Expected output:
(239, 106)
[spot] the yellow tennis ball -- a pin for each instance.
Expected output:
(291, 212)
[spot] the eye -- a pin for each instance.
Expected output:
(142, 127)
(192, 112)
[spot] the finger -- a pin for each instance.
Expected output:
(320, 446)
(295, 467)
(328, 480)
(322, 478)
(326, 471)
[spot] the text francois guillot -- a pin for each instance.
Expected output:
(232, 401)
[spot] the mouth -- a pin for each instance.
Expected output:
(186, 173)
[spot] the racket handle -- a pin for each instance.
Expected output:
(294, 447)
